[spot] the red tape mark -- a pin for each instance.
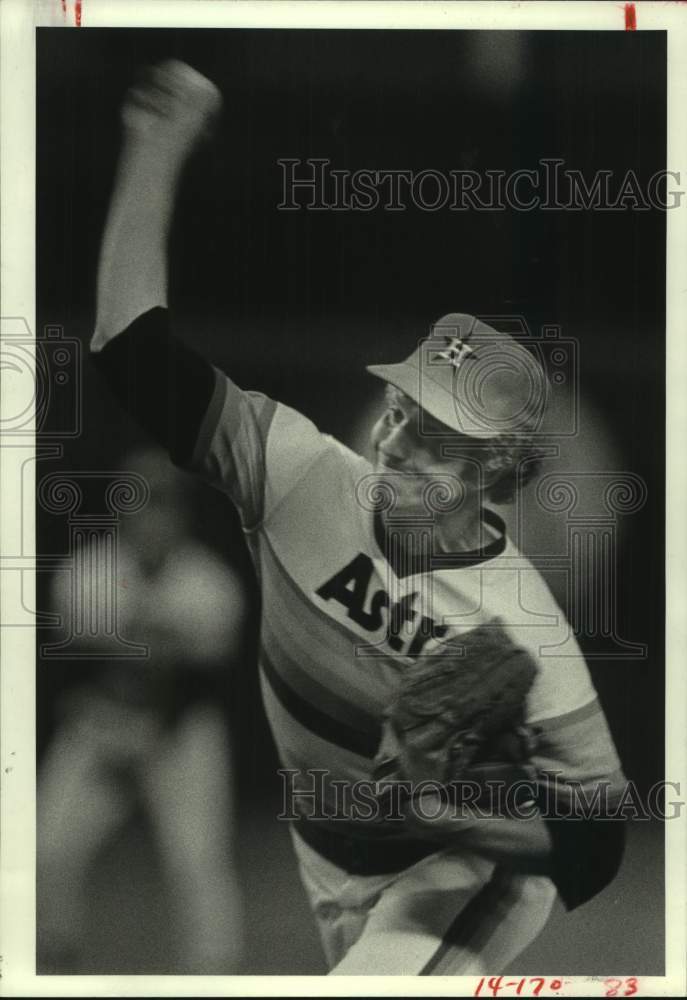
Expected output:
(630, 17)
(78, 4)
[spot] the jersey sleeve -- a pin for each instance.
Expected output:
(581, 785)
(242, 442)
(576, 750)
(574, 739)
(578, 771)
(255, 449)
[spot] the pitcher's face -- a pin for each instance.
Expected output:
(413, 451)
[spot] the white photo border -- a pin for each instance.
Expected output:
(18, 21)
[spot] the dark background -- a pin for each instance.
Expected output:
(295, 303)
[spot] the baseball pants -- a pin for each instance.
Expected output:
(446, 915)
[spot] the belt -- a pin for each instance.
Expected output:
(363, 856)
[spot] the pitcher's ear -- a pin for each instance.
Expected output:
(500, 461)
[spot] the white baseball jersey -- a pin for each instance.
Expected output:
(329, 659)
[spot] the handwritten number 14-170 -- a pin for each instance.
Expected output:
(496, 983)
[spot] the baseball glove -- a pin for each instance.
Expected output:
(459, 715)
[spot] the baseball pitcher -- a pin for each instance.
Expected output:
(431, 739)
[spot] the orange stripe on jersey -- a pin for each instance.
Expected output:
(581, 714)
(304, 750)
(578, 747)
(321, 723)
(313, 684)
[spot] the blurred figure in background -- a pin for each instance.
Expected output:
(149, 732)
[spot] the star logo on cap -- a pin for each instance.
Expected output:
(455, 352)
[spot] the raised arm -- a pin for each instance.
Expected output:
(164, 118)
(165, 384)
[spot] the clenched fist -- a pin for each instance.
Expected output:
(172, 108)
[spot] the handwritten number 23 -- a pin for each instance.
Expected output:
(614, 986)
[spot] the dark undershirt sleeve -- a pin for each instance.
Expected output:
(164, 384)
(587, 854)
(581, 787)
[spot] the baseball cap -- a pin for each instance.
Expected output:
(472, 378)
